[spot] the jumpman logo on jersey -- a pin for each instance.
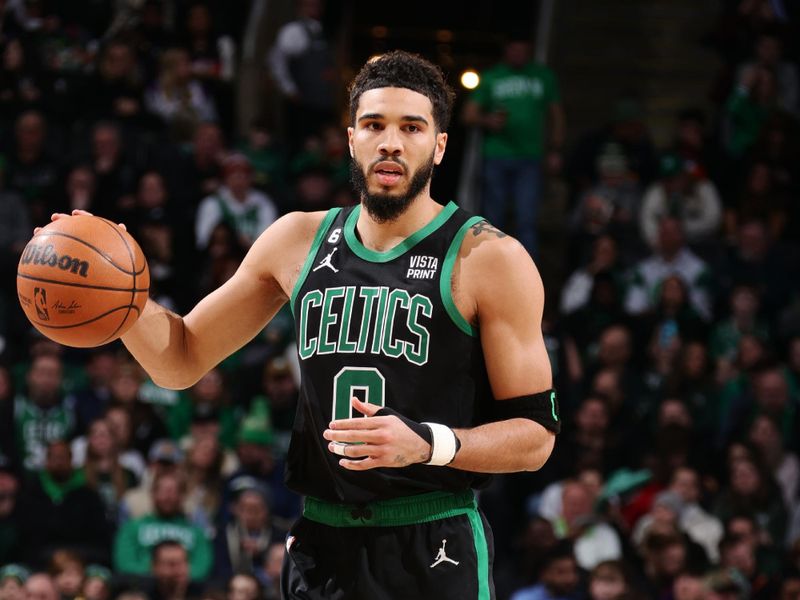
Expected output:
(442, 557)
(326, 262)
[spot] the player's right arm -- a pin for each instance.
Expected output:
(176, 351)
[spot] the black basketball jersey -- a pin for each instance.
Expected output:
(382, 326)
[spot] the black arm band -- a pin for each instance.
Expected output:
(541, 407)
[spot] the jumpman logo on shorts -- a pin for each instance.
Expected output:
(442, 557)
(326, 262)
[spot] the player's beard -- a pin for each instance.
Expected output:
(384, 208)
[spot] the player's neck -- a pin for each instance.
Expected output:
(382, 237)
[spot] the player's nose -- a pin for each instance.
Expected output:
(391, 144)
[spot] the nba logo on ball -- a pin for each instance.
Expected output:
(40, 301)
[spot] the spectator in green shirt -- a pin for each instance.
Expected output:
(747, 109)
(136, 539)
(514, 104)
(41, 415)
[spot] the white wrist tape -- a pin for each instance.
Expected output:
(443, 445)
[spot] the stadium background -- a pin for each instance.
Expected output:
(677, 474)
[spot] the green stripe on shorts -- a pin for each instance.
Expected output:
(482, 553)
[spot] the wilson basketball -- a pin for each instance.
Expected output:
(82, 281)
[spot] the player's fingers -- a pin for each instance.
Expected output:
(36, 230)
(358, 423)
(360, 435)
(353, 450)
(57, 216)
(365, 408)
(122, 226)
(360, 465)
(77, 212)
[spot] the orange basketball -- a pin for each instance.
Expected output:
(82, 281)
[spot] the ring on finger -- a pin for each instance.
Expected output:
(339, 448)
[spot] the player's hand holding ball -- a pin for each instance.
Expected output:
(82, 280)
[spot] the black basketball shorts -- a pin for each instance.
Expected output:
(435, 546)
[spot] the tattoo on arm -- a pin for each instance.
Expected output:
(485, 226)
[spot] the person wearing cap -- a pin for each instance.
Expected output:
(237, 203)
(609, 206)
(12, 581)
(97, 583)
(682, 193)
(663, 516)
(726, 584)
(164, 457)
(257, 461)
(241, 547)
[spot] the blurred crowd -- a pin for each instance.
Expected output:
(674, 339)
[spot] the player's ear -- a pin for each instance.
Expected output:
(350, 141)
(438, 151)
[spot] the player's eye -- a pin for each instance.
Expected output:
(412, 128)
(374, 126)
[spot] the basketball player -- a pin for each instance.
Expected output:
(416, 315)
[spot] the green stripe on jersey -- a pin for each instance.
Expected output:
(446, 279)
(323, 229)
(381, 257)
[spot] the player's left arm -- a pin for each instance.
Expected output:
(501, 283)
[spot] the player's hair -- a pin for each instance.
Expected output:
(405, 70)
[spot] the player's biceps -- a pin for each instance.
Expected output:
(501, 338)
(230, 316)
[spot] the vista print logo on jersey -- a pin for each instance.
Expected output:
(392, 323)
(422, 267)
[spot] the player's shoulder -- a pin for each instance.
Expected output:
(292, 233)
(297, 225)
(486, 245)
(490, 260)
(283, 246)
